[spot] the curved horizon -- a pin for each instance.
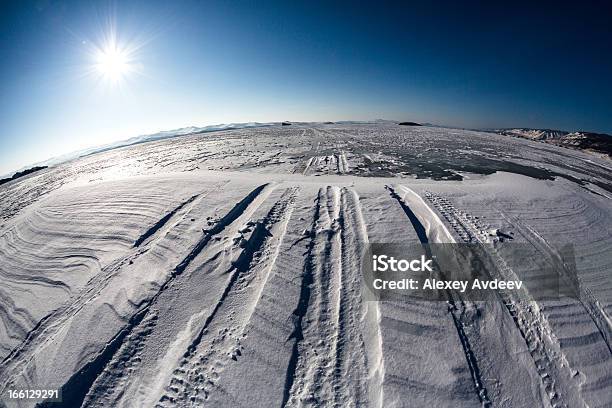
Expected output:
(82, 74)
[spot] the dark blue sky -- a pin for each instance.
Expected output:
(194, 63)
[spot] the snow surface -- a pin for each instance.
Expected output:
(224, 269)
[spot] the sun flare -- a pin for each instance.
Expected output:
(112, 63)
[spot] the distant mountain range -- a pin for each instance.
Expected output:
(595, 142)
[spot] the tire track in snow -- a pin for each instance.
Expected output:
(457, 308)
(359, 349)
(553, 368)
(341, 163)
(75, 390)
(314, 377)
(335, 356)
(253, 200)
(299, 313)
(219, 339)
(114, 382)
(53, 322)
(585, 296)
(315, 135)
(164, 220)
(333, 163)
(308, 164)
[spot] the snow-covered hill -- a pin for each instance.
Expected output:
(590, 141)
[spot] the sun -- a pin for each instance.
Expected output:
(112, 62)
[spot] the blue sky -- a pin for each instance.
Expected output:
(198, 63)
